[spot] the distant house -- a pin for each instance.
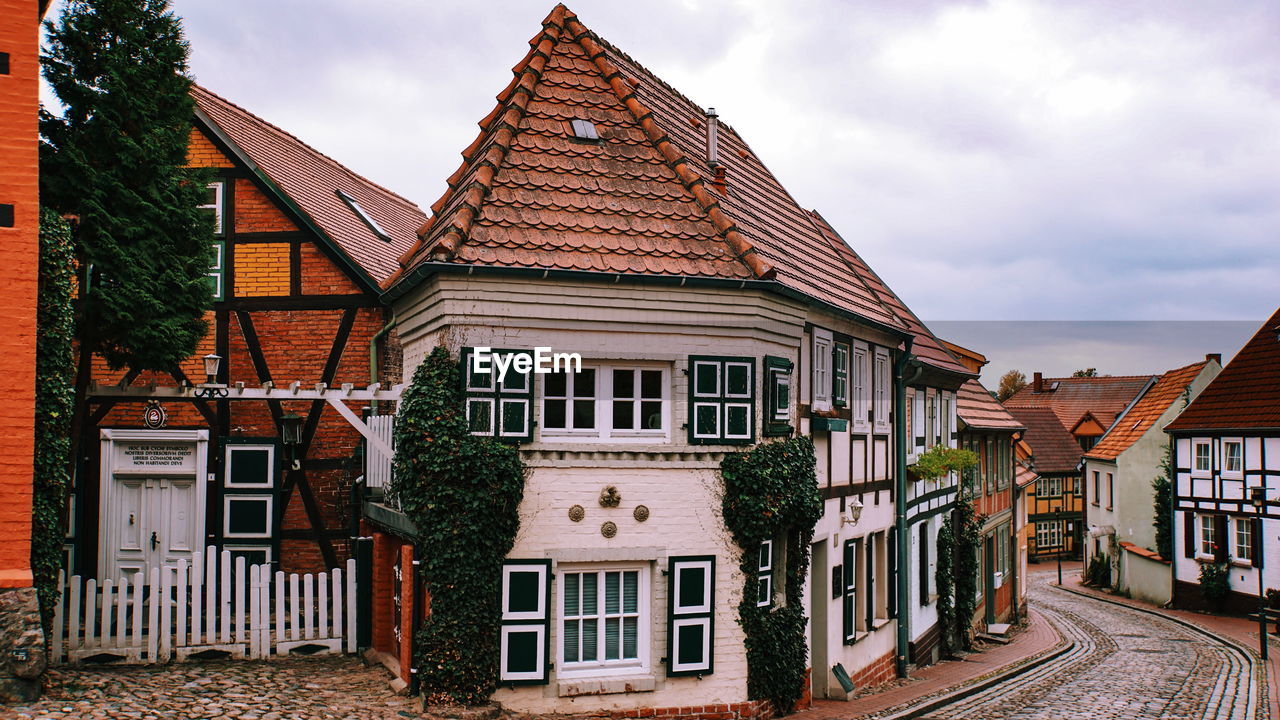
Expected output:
(1226, 461)
(1064, 418)
(1118, 473)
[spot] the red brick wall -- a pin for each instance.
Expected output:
(201, 152)
(321, 277)
(256, 212)
(19, 258)
(876, 673)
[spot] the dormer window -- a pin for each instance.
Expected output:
(584, 130)
(364, 216)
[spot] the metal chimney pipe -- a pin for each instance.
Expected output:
(713, 130)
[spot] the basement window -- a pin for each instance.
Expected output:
(364, 216)
(4, 63)
(584, 130)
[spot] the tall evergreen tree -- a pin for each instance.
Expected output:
(114, 159)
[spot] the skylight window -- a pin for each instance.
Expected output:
(585, 130)
(364, 216)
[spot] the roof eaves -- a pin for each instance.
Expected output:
(296, 213)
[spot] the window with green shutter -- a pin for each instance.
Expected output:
(721, 400)
(840, 374)
(777, 419)
(526, 599)
(499, 408)
(850, 594)
(764, 571)
(690, 620)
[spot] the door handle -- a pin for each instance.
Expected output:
(154, 541)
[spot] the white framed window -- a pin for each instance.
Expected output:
(930, 419)
(1049, 534)
(250, 466)
(721, 400)
(821, 359)
(252, 554)
(1201, 453)
(246, 516)
(1208, 536)
(1244, 539)
(860, 379)
(498, 408)
(526, 617)
(608, 402)
(1049, 487)
(880, 391)
(213, 204)
(1232, 457)
(945, 421)
(604, 619)
(1111, 491)
(764, 570)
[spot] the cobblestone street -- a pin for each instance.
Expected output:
(1124, 665)
(339, 687)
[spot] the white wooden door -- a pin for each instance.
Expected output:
(153, 523)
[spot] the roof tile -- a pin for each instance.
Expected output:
(1146, 411)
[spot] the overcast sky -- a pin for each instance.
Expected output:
(1003, 160)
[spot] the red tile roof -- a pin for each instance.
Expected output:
(1246, 394)
(642, 200)
(1023, 475)
(1105, 397)
(310, 180)
(1138, 420)
(1053, 450)
(979, 409)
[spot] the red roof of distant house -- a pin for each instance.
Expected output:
(1052, 448)
(1246, 394)
(642, 199)
(978, 409)
(1138, 420)
(311, 180)
(1071, 397)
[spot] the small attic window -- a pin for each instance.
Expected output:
(364, 216)
(584, 130)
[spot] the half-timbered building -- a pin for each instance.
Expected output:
(250, 445)
(1118, 474)
(601, 212)
(1226, 489)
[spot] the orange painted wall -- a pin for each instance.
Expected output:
(19, 258)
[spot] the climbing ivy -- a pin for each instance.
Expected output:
(55, 376)
(967, 528)
(1215, 583)
(463, 493)
(946, 581)
(771, 493)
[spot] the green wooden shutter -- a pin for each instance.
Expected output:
(515, 404)
(777, 409)
(721, 400)
(526, 619)
(1255, 542)
(850, 589)
(892, 588)
(498, 409)
(840, 374)
(1188, 534)
(690, 619)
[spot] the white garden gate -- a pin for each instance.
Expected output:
(206, 607)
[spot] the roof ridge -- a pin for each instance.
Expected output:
(300, 141)
(679, 162)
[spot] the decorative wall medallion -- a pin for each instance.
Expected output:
(608, 529)
(576, 513)
(609, 497)
(154, 416)
(641, 513)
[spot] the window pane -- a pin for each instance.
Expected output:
(590, 640)
(522, 591)
(572, 636)
(737, 380)
(515, 381)
(624, 384)
(612, 592)
(584, 414)
(737, 421)
(211, 195)
(553, 414)
(651, 415)
(706, 379)
(651, 384)
(572, 594)
(247, 516)
(251, 467)
(630, 582)
(630, 633)
(589, 581)
(251, 557)
(689, 641)
(763, 596)
(624, 414)
(766, 556)
(584, 383)
(480, 415)
(522, 652)
(706, 422)
(554, 385)
(692, 582)
(612, 638)
(514, 417)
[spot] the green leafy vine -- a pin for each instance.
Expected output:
(771, 493)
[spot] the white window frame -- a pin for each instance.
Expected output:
(1049, 534)
(1242, 529)
(250, 548)
(1196, 470)
(764, 573)
(603, 400)
(219, 203)
(1049, 482)
(880, 391)
(859, 392)
(1111, 491)
(271, 464)
(1206, 536)
(944, 419)
(1227, 471)
(644, 620)
(226, 514)
(822, 376)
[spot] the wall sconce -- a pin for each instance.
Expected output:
(853, 513)
(211, 388)
(291, 437)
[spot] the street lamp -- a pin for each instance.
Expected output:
(211, 388)
(854, 513)
(291, 436)
(1258, 496)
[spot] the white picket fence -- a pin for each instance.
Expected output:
(207, 607)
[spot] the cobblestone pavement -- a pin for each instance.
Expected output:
(315, 687)
(1124, 665)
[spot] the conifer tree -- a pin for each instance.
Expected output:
(113, 159)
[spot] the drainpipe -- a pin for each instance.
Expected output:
(373, 358)
(900, 381)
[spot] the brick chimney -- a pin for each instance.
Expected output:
(1037, 383)
(1215, 357)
